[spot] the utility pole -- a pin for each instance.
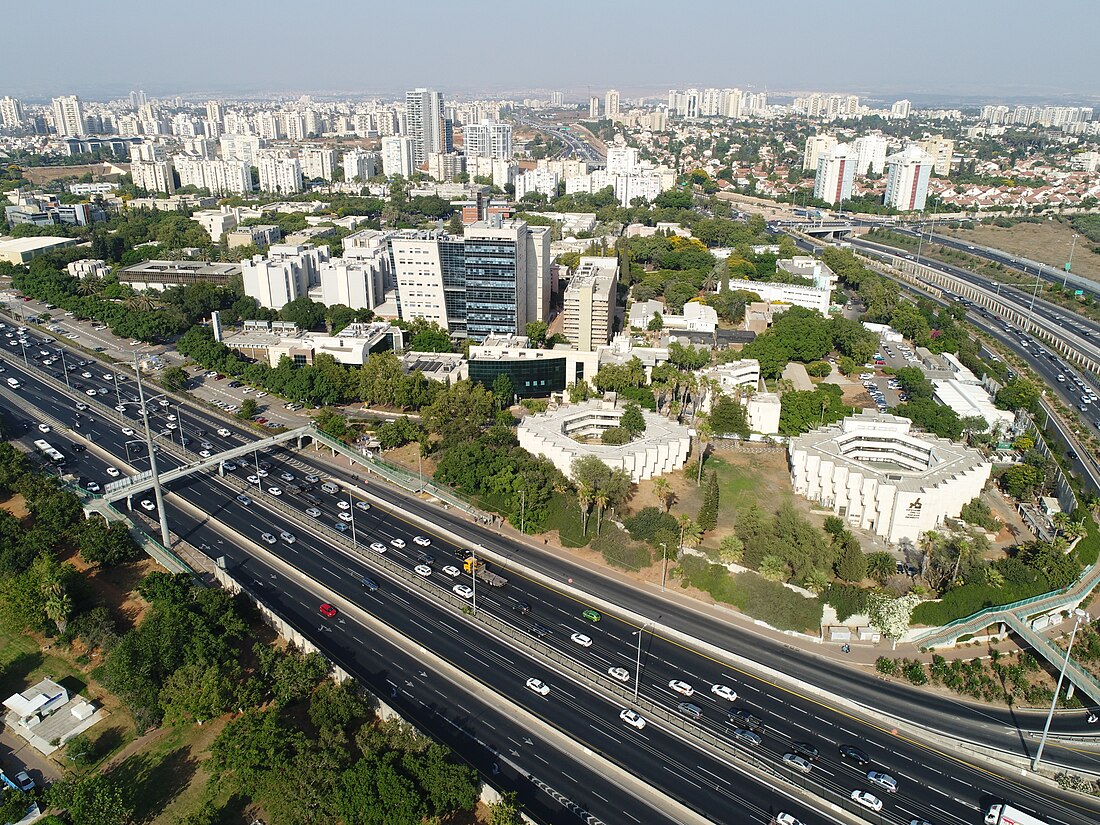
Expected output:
(1069, 265)
(165, 535)
(1054, 701)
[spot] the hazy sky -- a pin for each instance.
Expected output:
(1004, 49)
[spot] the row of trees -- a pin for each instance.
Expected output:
(800, 334)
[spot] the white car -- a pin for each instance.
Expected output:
(724, 692)
(883, 780)
(784, 818)
(620, 673)
(313, 512)
(261, 394)
(228, 466)
(867, 800)
(92, 487)
(267, 538)
(452, 571)
(223, 432)
(261, 472)
(312, 479)
(345, 516)
(286, 476)
(423, 570)
(378, 547)
(147, 505)
(343, 505)
(127, 431)
(463, 591)
(170, 426)
(253, 479)
(423, 541)
(683, 688)
(581, 639)
(170, 418)
(632, 719)
(398, 543)
(207, 454)
(43, 428)
(362, 505)
(108, 377)
(91, 392)
(538, 686)
(113, 472)
(80, 405)
(275, 491)
(799, 763)
(287, 537)
(243, 499)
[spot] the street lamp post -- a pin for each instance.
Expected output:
(165, 535)
(351, 509)
(473, 580)
(65, 369)
(1069, 265)
(638, 663)
(1054, 701)
(664, 563)
(522, 509)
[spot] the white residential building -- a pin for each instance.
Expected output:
(942, 151)
(221, 177)
(900, 110)
(589, 302)
(398, 156)
(359, 165)
(488, 139)
(357, 279)
(150, 169)
(241, 147)
(835, 171)
(870, 154)
(907, 181)
(425, 123)
(11, 113)
(810, 297)
(279, 172)
(536, 180)
(68, 116)
(816, 146)
(317, 162)
(696, 316)
(611, 104)
(622, 160)
(284, 274)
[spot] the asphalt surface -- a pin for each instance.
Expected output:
(786, 716)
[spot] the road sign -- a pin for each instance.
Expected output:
(1067, 266)
(1079, 292)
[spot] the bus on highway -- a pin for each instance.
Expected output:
(43, 446)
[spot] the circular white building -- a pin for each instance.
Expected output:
(873, 472)
(662, 448)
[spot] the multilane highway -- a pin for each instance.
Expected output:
(785, 716)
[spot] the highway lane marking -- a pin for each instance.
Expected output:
(681, 776)
(605, 733)
(716, 776)
(567, 776)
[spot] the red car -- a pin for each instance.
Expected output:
(327, 610)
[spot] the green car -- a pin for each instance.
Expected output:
(591, 615)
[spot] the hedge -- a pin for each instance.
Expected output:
(754, 595)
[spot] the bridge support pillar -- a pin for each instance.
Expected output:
(1069, 691)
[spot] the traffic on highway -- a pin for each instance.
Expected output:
(277, 503)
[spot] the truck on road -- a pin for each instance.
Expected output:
(479, 569)
(1007, 815)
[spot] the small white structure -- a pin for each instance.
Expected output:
(662, 448)
(872, 471)
(763, 410)
(696, 317)
(47, 717)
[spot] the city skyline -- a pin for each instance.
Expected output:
(949, 52)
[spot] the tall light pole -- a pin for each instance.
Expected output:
(351, 509)
(1054, 701)
(473, 580)
(638, 663)
(522, 509)
(664, 563)
(165, 535)
(64, 368)
(1069, 265)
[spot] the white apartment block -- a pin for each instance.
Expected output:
(359, 165)
(11, 113)
(900, 110)
(942, 151)
(357, 279)
(397, 156)
(816, 146)
(622, 160)
(488, 139)
(536, 180)
(424, 120)
(611, 104)
(317, 163)
(279, 172)
(284, 274)
(446, 166)
(835, 171)
(68, 116)
(241, 147)
(811, 297)
(220, 177)
(589, 311)
(88, 268)
(870, 154)
(153, 175)
(907, 182)
(418, 271)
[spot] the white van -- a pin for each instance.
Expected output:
(330, 488)
(14, 383)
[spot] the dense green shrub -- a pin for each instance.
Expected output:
(847, 600)
(754, 595)
(618, 550)
(648, 522)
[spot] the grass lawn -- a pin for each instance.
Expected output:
(565, 517)
(744, 479)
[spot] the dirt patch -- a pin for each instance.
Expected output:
(45, 174)
(16, 505)
(115, 587)
(1048, 242)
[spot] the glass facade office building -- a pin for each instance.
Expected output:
(531, 378)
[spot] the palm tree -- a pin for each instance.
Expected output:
(584, 499)
(89, 286)
(816, 581)
(661, 490)
(880, 566)
(58, 605)
(929, 539)
(600, 500)
(141, 302)
(690, 532)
